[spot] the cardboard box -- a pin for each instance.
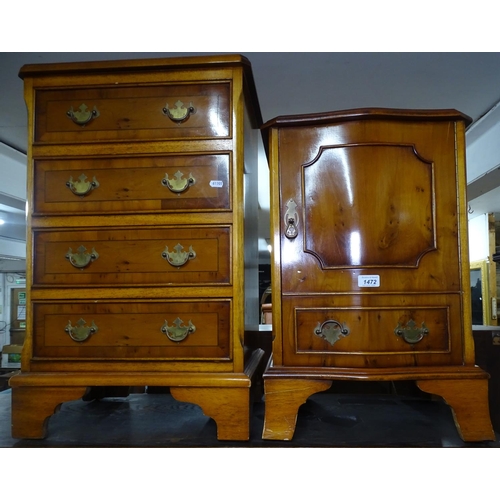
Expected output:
(11, 356)
(17, 337)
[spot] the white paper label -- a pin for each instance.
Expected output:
(372, 280)
(216, 184)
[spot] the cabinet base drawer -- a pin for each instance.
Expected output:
(129, 330)
(371, 331)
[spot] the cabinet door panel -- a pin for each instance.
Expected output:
(368, 205)
(364, 199)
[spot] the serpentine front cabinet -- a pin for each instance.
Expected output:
(370, 276)
(142, 192)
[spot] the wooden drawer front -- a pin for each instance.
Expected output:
(133, 113)
(158, 184)
(371, 331)
(130, 330)
(133, 256)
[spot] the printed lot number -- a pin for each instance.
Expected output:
(369, 281)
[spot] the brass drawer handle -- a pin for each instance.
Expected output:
(331, 331)
(81, 259)
(178, 257)
(179, 114)
(178, 184)
(291, 220)
(178, 331)
(80, 332)
(83, 115)
(410, 333)
(82, 186)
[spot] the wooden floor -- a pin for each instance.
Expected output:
(347, 416)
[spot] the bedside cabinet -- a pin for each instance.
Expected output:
(370, 274)
(142, 245)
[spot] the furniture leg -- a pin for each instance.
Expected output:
(468, 400)
(33, 406)
(229, 407)
(283, 397)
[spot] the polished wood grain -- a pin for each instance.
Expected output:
(465, 389)
(133, 330)
(469, 403)
(393, 173)
(223, 397)
(386, 181)
(32, 408)
(128, 112)
(128, 256)
(230, 408)
(372, 321)
(361, 114)
(129, 216)
(283, 399)
(362, 194)
(132, 185)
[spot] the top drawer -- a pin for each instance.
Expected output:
(187, 111)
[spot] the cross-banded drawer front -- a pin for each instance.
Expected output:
(132, 330)
(187, 111)
(160, 256)
(141, 184)
(386, 331)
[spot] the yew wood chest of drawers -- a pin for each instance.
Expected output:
(142, 267)
(370, 274)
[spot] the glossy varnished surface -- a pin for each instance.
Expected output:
(132, 185)
(366, 204)
(372, 196)
(370, 262)
(372, 323)
(383, 180)
(327, 420)
(133, 330)
(134, 256)
(148, 251)
(130, 113)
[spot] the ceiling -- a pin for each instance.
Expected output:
(308, 82)
(304, 82)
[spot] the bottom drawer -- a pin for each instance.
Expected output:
(132, 330)
(363, 331)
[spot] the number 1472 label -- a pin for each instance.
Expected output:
(372, 280)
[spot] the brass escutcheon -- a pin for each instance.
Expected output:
(291, 220)
(83, 115)
(80, 332)
(410, 333)
(82, 186)
(178, 184)
(178, 257)
(179, 114)
(178, 331)
(81, 259)
(331, 331)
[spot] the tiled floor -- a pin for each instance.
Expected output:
(327, 419)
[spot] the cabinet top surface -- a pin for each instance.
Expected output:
(209, 63)
(332, 117)
(152, 64)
